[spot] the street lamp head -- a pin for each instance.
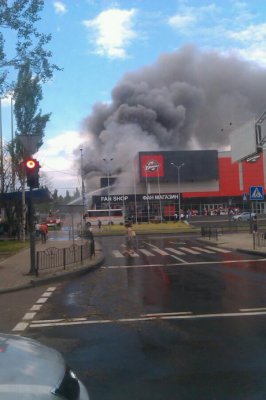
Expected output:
(178, 166)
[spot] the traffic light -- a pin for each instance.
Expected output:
(32, 167)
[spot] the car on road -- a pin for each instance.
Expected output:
(30, 370)
(53, 221)
(244, 216)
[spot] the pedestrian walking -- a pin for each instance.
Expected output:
(92, 247)
(37, 231)
(89, 236)
(129, 240)
(100, 224)
(43, 232)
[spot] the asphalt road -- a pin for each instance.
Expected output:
(175, 320)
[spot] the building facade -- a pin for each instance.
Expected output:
(200, 180)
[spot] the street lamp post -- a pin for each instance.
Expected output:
(82, 187)
(107, 161)
(178, 182)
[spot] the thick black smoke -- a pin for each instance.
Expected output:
(186, 100)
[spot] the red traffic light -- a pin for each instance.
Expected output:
(31, 164)
(32, 167)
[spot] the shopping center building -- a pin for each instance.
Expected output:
(201, 180)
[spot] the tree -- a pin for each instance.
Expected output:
(76, 194)
(27, 96)
(12, 207)
(67, 197)
(29, 121)
(20, 17)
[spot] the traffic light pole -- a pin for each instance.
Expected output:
(33, 269)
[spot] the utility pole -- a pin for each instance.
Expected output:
(82, 187)
(12, 144)
(178, 183)
(1, 149)
(107, 161)
(33, 268)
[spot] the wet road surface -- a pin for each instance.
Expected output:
(162, 324)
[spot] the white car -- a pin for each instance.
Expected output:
(31, 371)
(244, 216)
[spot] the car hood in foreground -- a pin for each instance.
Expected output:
(24, 361)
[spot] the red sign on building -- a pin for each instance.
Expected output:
(152, 166)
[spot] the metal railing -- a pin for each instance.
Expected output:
(211, 232)
(54, 257)
(259, 239)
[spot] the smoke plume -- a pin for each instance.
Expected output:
(187, 100)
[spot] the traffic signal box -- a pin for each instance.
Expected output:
(32, 167)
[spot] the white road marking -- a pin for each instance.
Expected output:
(164, 314)
(214, 262)
(218, 249)
(133, 266)
(203, 250)
(252, 309)
(51, 289)
(180, 253)
(42, 300)
(179, 259)
(179, 316)
(188, 250)
(59, 320)
(185, 250)
(157, 249)
(29, 316)
(47, 294)
(21, 326)
(176, 252)
(133, 254)
(36, 307)
(146, 252)
(117, 254)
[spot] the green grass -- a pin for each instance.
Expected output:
(12, 246)
(145, 228)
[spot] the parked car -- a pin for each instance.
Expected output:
(30, 370)
(244, 216)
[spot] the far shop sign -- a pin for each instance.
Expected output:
(139, 197)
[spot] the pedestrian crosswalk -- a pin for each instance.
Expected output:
(169, 251)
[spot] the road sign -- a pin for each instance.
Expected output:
(245, 197)
(256, 193)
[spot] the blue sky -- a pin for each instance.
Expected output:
(97, 41)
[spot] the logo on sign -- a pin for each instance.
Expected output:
(152, 166)
(256, 193)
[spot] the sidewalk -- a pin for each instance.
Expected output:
(237, 241)
(14, 269)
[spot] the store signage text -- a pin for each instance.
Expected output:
(138, 197)
(114, 198)
(160, 197)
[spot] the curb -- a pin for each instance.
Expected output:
(241, 250)
(61, 276)
(252, 252)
